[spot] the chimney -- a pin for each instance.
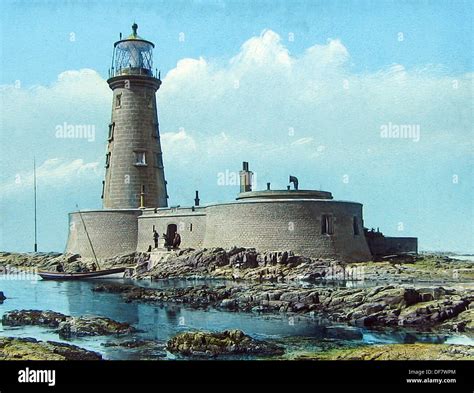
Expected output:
(245, 178)
(294, 180)
(196, 199)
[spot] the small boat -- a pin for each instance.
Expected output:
(107, 273)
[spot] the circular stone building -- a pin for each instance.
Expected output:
(307, 222)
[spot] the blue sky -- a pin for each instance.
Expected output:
(316, 81)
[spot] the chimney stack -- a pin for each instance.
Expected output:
(245, 178)
(196, 199)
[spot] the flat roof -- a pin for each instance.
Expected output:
(285, 194)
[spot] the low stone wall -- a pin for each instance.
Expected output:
(383, 245)
(111, 232)
(191, 225)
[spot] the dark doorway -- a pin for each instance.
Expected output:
(170, 231)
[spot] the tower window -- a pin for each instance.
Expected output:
(156, 131)
(327, 226)
(111, 131)
(107, 160)
(149, 99)
(158, 161)
(355, 225)
(118, 100)
(140, 158)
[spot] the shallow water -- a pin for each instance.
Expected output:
(464, 258)
(160, 322)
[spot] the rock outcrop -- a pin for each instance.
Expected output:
(463, 322)
(395, 352)
(282, 266)
(67, 326)
(387, 305)
(32, 349)
(33, 317)
(92, 326)
(228, 342)
(51, 261)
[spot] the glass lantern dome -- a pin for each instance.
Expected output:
(132, 56)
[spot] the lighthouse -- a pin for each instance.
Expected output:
(134, 176)
(134, 188)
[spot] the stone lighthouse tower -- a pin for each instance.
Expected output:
(134, 174)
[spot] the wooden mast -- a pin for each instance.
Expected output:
(88, 237)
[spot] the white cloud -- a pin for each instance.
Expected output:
(55, 173)
(30, 116)
(178, 146)
(264, 90)
(263, 51)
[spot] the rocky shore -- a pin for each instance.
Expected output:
(66, 326)
(429, 293)
(389, 305)
(248, 264)
(283, 266)
(393, 352)
(49, 261)
(32, 349)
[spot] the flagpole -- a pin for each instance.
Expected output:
(34, 185)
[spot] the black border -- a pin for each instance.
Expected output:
(132, 374)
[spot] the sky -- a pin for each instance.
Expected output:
(315, 89)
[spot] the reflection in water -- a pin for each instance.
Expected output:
(82, 301)
(172, 314)
(160, 322)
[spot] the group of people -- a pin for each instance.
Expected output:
(171, 242)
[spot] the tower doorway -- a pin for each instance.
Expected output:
(170, 232)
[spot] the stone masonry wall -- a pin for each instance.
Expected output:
(269, 225)
(288, 225)
(393, 245)
(135, 129)
(191, 226)
(112, 232)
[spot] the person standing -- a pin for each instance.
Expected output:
(156, 236)
(176, 240)
(167, 241)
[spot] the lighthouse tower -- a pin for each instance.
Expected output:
(134, 174)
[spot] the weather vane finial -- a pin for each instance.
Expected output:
(134, 28)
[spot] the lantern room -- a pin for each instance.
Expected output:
(132, 56)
